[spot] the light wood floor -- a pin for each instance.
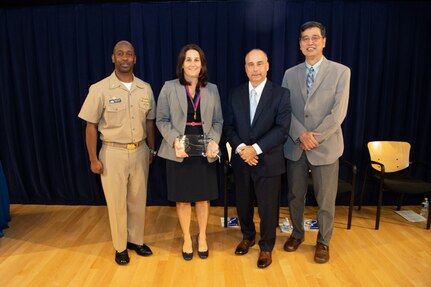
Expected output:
(71, 246)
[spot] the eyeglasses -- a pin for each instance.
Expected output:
(313, 39)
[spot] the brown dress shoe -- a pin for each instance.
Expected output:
(292, 244)
(265, 259)
(322, 253)
(243, 247)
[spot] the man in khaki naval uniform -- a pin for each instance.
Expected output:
(122, 108)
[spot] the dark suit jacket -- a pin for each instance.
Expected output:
(270, 127)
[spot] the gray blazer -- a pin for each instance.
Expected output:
(322, 111)
(171, 115)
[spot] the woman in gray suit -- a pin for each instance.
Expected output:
(190, 105)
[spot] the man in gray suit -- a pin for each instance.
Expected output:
(319, 93)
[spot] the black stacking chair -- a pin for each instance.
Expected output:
(390, 166)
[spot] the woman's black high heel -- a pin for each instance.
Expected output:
(187, 256)
(202, 254)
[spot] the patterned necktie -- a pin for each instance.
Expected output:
(253, 104)
(310, 80)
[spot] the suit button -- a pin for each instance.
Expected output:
(306, 116)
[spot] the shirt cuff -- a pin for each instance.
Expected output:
(241, 145)
(257, 149)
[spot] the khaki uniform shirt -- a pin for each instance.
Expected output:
(120, 114)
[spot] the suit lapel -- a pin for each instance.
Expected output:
(244, 105)
(301, 74)
(264, 99)
(323, 72)
(205, 98)
(181, 95)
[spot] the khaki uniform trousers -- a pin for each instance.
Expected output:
(124, 181)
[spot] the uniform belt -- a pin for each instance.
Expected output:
(192, 124)
(129, 146)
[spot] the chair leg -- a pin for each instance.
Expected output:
(379, 206)
(429, 219)
(352, 199)
(400, 202)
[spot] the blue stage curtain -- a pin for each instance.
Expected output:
(4, 202)
(50, 55)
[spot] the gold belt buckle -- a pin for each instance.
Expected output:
(132, 146)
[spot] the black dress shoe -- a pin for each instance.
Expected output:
(265, 259)
(202, 254)
(243, 246)
(187, 256)
(142, 250)
(122, 258)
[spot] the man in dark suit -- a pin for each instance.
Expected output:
(256, 125)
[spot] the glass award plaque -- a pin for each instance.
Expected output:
(194, 145)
